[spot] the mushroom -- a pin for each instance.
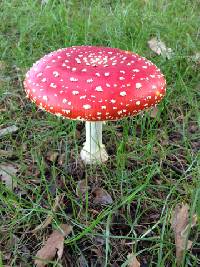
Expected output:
(94, 84)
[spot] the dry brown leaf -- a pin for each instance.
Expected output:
(52, 156)
(132, 261)
(102, 197)
(160, 48)
(180, 224)
(49, 218)
(7, 171)
(8, 130)
(54, 245)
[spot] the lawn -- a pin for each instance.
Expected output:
(153, 160)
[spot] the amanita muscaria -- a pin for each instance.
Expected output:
(94, 84)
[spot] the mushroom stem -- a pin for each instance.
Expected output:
(93, 150)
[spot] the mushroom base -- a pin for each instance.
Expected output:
(93, 150)
(92, 158)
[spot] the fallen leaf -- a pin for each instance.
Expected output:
(180, 224)
(132, 261)
(160, 48)
(52, 156)
(102, 197)
(82, 188)
(54, 245)
(7, 171)
(8, 130)
(49, 218)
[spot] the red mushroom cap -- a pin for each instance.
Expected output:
(94, 83)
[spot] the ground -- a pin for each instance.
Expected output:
(153, 160)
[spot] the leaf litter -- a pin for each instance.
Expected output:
(53, 246)
(102, 197)
(7, 173)
(8, 130)
(160, 48)
(132, 261)
(181, 225)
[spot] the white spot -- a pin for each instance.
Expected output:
(73, 69)
(138, 85)
(107, 84)
(86, 106)
(69, 103)
(97, 74)
(114, 107)
(75, 92)
(89, 80)
(44, 80)
(121, 78)
(154, 87)
(103, 107)
(123, 93)
(106, 74)
(138, 103)
(67, 111)
(53, 85)
(135, 70)
(64, 100)
(122, 71)
(72, 79)
(144, 67)
(99, 89)
(64, 65)
(78, 60)
(113, 101)
(83, 97)
(45, 97)
(39, 74)
(84, 70)
(55, 74)
(99, 113)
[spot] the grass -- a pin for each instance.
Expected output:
(154, 162)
